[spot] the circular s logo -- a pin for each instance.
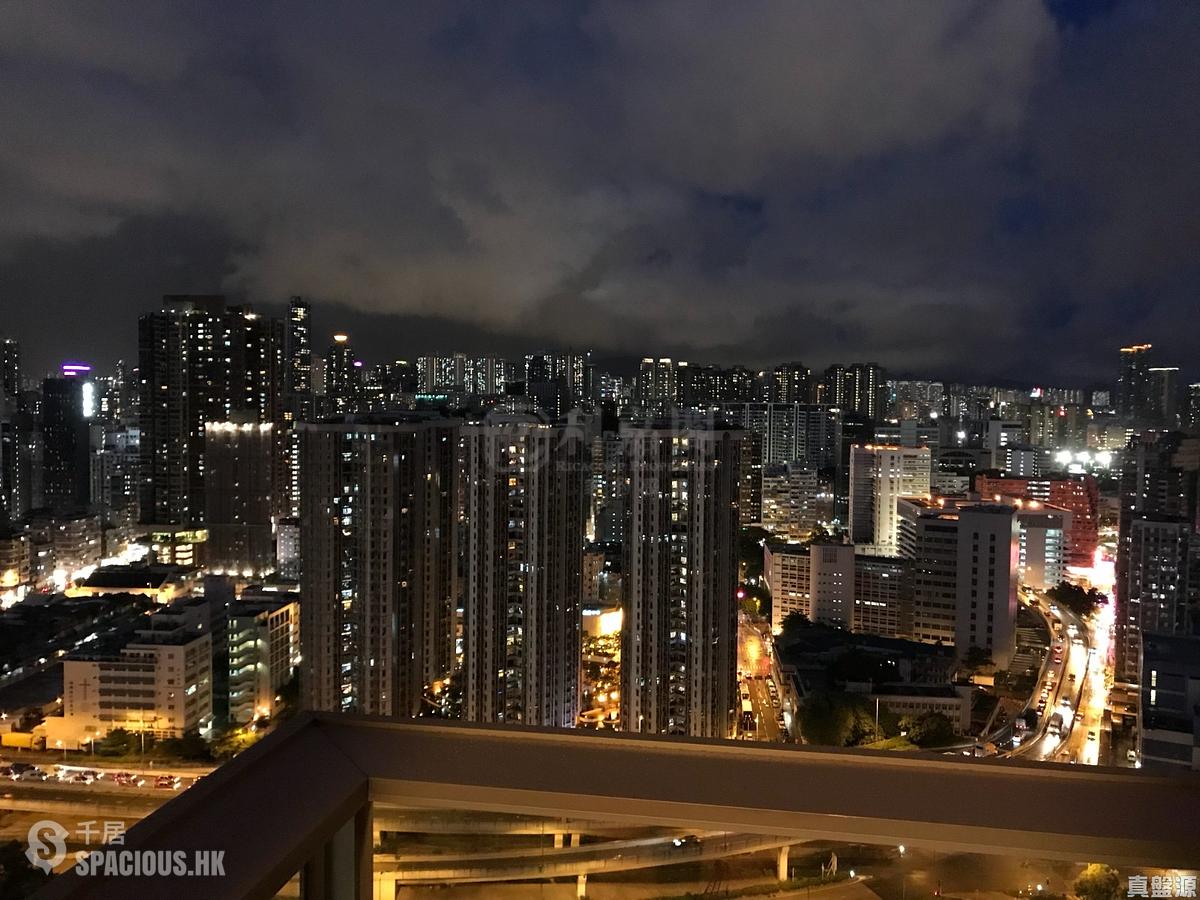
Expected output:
(47, 844)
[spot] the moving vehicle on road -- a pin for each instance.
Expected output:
(748, 723)
(1055, 725)
(22, 771)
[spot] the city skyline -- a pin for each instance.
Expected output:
(626, 366)
(600, 450)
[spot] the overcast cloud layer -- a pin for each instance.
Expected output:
(978, 189)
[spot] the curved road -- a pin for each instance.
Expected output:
(1042, 745)
(609, 856)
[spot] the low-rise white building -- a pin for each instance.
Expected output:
(160, 682)
(952, 701)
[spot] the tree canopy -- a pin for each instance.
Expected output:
(839, 720)
(931, 729)
(977, 658)
(120, 742)
(1098, 882)
(1082, 602)
(794, 625)
(750, 550)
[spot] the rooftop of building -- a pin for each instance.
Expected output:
(928, 504)
(127, 578)
(520, 421)
(932, 691)
(212, 304)
(180, 623)
(168, 631)
(951, 507)
(794, 549)
(255, 604)
(175, 638)
(46, 516)
(821, 639)
(381, 420)
(184, 606)
(684, 421)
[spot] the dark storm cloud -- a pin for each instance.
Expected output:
(1002, 189)
(79, 297)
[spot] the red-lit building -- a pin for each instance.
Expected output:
(1077, 493)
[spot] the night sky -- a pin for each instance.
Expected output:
(1003, 190)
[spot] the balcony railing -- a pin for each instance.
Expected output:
(312, 798)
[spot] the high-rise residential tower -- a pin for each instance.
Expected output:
(609, 493)
(831, 389)
(66, 477)
(11, 385)
(299, 348)
(378, 527)
(343, 376)
(866, 390)
(1192, 409)
(524, 512)
(16, 464)
(1163, 398)
(239, 496)
(482, 375)
(199, 361)
(1133, 382)
(678, 666)
(1158, 557)
(657, 383)
(805, 433)
(790, 383)
(298, 401)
